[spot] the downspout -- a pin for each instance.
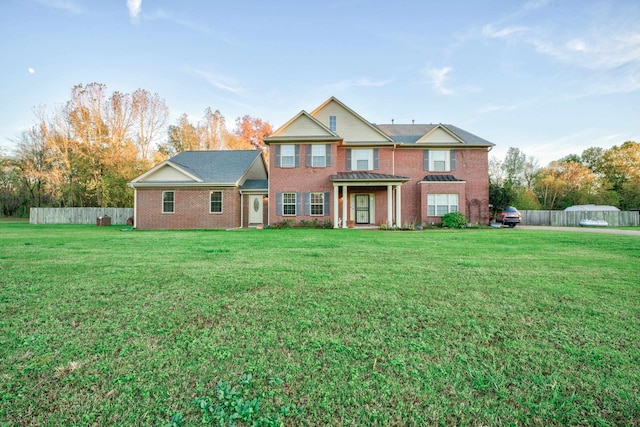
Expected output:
(393, 160)
(241, 209)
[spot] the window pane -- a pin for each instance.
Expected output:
(168, 201)
(362, 165)
(289, 204)
(288, 156)
(216, 202)
(439, 166)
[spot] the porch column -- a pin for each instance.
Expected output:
(389, 205)
(344, 206)
(336, 204)
(398, 205)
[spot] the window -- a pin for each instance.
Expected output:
(318, 156)
(362, 160)
(168, 201)
(440, 160)
(441, 204)
(317, 203)
(332, 123)
(288, 203)
(288, 156)
(215, 202)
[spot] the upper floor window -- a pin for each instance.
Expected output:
(168, 201)
(362, 160)
(332, 123)
(318, 156)
(288, 156)
(440, 160)
(215, 202)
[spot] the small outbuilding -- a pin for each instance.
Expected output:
(592, 208)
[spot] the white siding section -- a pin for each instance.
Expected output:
(439, 136)
(257, 171)
(304, 126)
(167, 173)
(348, 126)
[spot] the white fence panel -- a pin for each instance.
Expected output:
(78, 215)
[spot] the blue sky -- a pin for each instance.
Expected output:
(549, 77)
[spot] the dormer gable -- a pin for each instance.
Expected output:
(440, 134)
(348, 124)
(167, 171)
(303, 124)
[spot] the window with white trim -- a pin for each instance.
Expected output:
(362, 159)
(168, 201)
(441, 204)
(440, 160)
(288, 203)
(215, 202)
(317, 203)
(318, 156)
(288, 156)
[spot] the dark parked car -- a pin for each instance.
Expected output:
(510, 216)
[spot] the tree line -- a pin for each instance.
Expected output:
(597, 176)
(84, 152)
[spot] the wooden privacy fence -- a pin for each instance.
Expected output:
(78, 215)
(572, 218)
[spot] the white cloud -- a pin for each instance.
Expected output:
(134, 7)
(491, 31)
(31, 70)
(65, 5)
(228, 84)
(361, 82)
(163, 15)
(438, 78)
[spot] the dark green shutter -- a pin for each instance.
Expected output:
(277, 155)
(299, 203)
(297, 155)
(454, 161)
(376, 162)
(308, 155)
(426, 159)
(348, 159)
(328, 155)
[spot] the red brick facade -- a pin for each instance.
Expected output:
(471, 171)
(191, 209)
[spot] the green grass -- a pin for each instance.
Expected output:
(335, 327)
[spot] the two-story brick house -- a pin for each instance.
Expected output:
(333, 164)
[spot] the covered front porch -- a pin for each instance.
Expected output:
(355, 201)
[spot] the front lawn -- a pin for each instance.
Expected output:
(318, 327)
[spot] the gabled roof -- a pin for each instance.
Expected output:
(202, 168)
(306, 127)
(419, 133)
(356, 115)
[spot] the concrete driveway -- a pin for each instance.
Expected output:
(605, 230)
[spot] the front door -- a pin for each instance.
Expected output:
(255, 209)
(362, 209)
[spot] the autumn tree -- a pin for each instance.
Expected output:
(253, 130)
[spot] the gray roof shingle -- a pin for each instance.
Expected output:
(217, 167)
(410, 134)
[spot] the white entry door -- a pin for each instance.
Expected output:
(255, 209)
